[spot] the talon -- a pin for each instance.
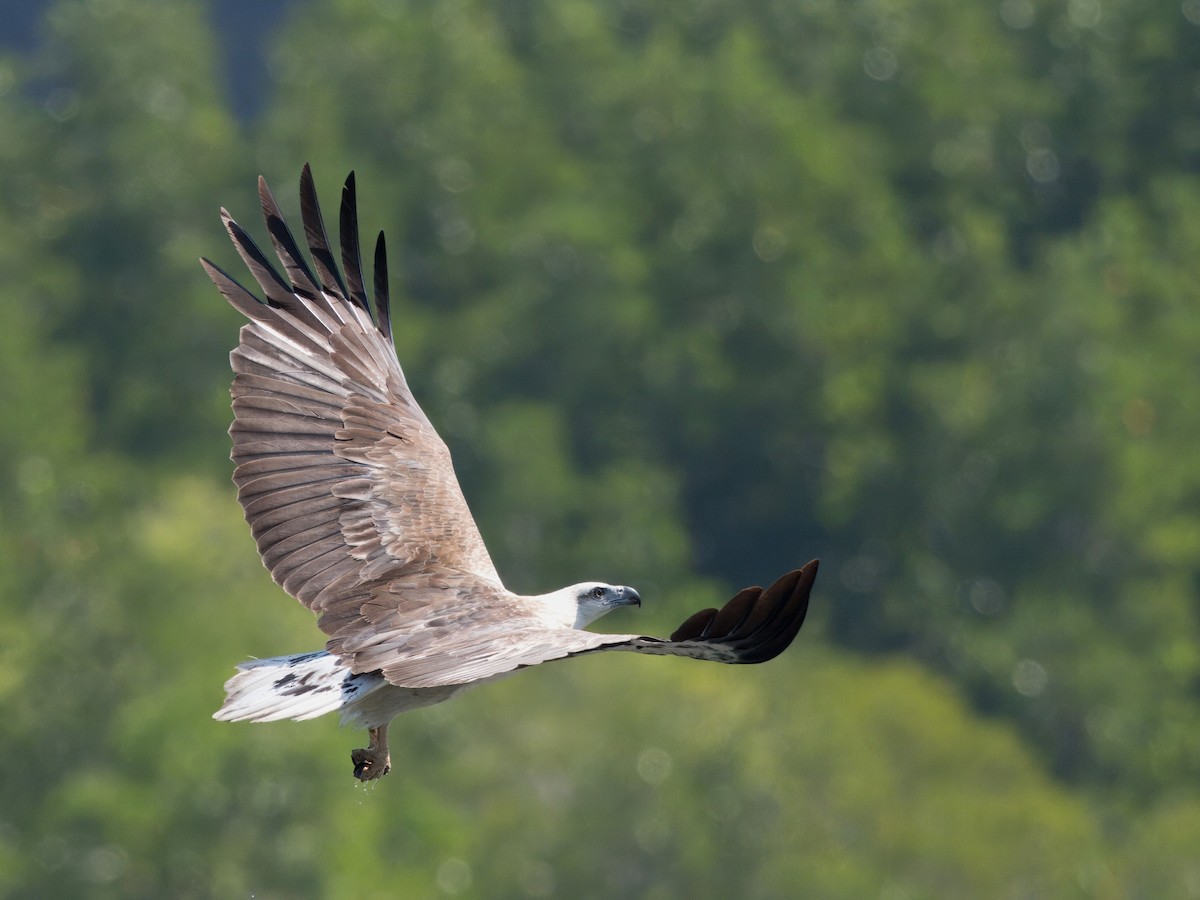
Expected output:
(373, 761)
(362, 763)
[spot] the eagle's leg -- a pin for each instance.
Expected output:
(373, 761)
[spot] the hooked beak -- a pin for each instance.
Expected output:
(629, 597)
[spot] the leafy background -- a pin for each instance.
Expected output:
(695, 291)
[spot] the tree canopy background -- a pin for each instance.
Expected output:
(695, 292)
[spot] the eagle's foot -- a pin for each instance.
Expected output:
(374, 761)
(369, 765)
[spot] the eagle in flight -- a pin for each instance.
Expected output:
(352, 498)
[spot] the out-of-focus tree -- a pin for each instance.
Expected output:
(133, 148)
(1129, 293)
(99, 392)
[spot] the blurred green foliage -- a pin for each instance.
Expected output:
(695, 291)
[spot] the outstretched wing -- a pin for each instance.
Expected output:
(485, 641)
(344, 481)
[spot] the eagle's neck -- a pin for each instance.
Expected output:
(560, 609)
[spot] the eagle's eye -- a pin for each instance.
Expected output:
(598, 593)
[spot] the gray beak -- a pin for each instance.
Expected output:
(629, 597)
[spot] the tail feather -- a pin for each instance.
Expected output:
(301, 686)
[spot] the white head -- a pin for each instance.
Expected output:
(581, 604)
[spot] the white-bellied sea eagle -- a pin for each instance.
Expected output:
(353, 500)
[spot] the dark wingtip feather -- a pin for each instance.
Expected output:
(788, 598)
(351, 257)
(729, 618)
(318, 237)
(762, 619)
(383, 313)
(695, 625)
(286, 247)
(756, 624)
(277, 291)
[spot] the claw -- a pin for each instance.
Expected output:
(374, 761)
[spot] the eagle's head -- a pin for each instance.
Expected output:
(581, 604)
(595, 598)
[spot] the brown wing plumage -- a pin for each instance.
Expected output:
(343, 480)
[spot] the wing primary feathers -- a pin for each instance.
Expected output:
(732, 615)
(351, 259)
(753, 627)
(695, 625)
(383, 314)
(797, 609)
(763, 613)
(318, 237)
(771, 605)
(286, 248)
(786, 602)
(278, 293)
(240, 298)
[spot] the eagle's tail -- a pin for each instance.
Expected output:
(302, 686)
